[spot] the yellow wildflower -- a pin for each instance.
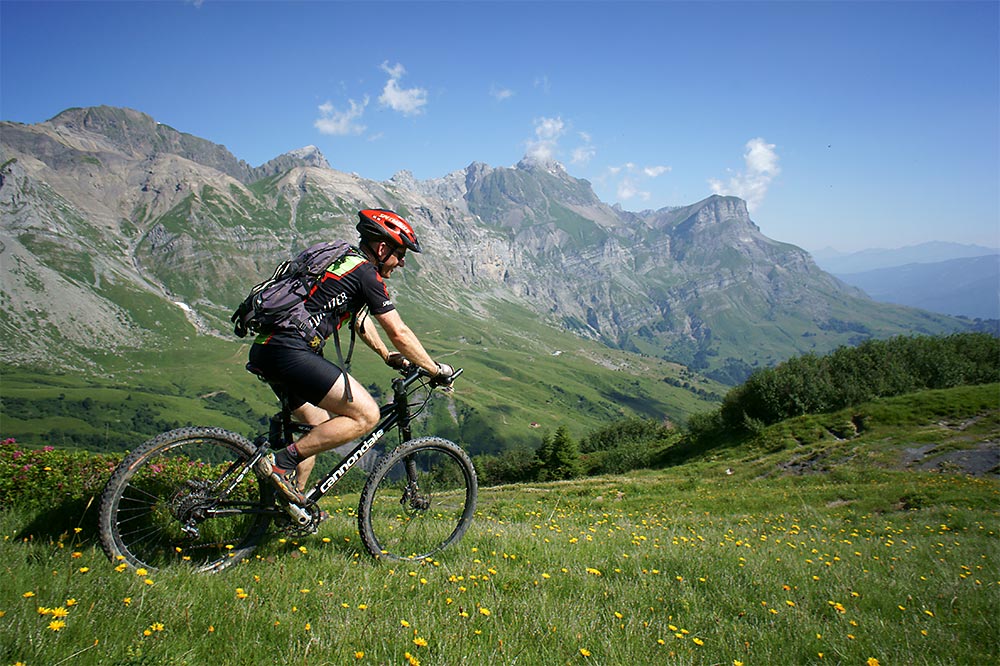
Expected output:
(56, 625)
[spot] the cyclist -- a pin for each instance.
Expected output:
(322, 393)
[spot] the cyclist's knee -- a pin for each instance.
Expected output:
(368, 414)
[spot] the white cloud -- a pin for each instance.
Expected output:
(542, 83)
(545, 146)
(547, 133)
(394, 72)
(631, 178)
(341, 123)
(627, 189)
(500, 94)
(585, 152)
(655, 171)
(408, 101)
(761, 167)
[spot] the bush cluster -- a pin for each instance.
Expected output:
(49, 477)
(625, 445)
(852, 375)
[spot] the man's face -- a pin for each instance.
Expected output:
(392, 257)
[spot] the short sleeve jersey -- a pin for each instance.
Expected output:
(348, 285)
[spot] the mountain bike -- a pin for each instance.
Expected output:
(191, 495)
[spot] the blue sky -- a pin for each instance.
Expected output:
(850, 125)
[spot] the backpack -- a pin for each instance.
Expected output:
(280, 300)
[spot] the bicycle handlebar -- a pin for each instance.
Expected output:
(414, 372)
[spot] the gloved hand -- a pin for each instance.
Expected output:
(444, 375)
(396, 360)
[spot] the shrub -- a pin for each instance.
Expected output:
(47, 477)
(852, 375)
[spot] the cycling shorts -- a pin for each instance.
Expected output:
(301, 373)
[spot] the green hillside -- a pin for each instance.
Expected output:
(521, 380)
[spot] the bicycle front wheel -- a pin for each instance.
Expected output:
(419, 500)
(179, 498)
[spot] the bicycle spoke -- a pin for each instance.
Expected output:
(159, 507)
(419, 501)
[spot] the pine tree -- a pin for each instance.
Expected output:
(564, 456)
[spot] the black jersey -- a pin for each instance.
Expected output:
(348, 285)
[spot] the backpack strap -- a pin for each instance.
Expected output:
(345, 365)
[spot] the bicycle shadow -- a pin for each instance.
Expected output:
(341, 540)
(77, 517)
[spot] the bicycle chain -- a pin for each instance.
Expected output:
(286, 526)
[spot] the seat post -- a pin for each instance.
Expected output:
(280, 431)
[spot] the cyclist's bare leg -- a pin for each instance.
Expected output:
(314, 416)
(302, 472)
(350, 421)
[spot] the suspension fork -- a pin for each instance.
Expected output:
(401, 399)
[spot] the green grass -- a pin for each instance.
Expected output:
(682, 566)
(796, 547)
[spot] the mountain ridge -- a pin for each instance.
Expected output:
(111, 209)
(965, 286)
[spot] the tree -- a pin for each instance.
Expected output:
(558, 457)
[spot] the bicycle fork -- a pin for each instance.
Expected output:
(412, 498)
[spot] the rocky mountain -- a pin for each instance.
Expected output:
(115, 229)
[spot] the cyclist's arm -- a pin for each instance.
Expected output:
(405, 341)
(369, 334)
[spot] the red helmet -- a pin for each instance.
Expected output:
(379, 224)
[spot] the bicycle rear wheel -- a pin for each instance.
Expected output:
(162, 504)
(419, 500)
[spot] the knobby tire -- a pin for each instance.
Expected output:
(174, 476)
(400, 520)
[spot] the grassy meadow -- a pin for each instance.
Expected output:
(806, 543)
(690, 565)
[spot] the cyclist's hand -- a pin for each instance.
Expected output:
(396, 360)
(445, 375)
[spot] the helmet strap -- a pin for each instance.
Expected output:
(373, 254)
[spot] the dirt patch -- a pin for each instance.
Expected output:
(982, 459)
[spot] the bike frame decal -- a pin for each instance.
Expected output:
(351, 460)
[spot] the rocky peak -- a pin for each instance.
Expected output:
(308, 156)
(139, 135)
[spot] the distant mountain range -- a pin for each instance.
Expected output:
(843, 263)
(948, 278)
(114, 226)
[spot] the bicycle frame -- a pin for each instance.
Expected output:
(393, 414)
